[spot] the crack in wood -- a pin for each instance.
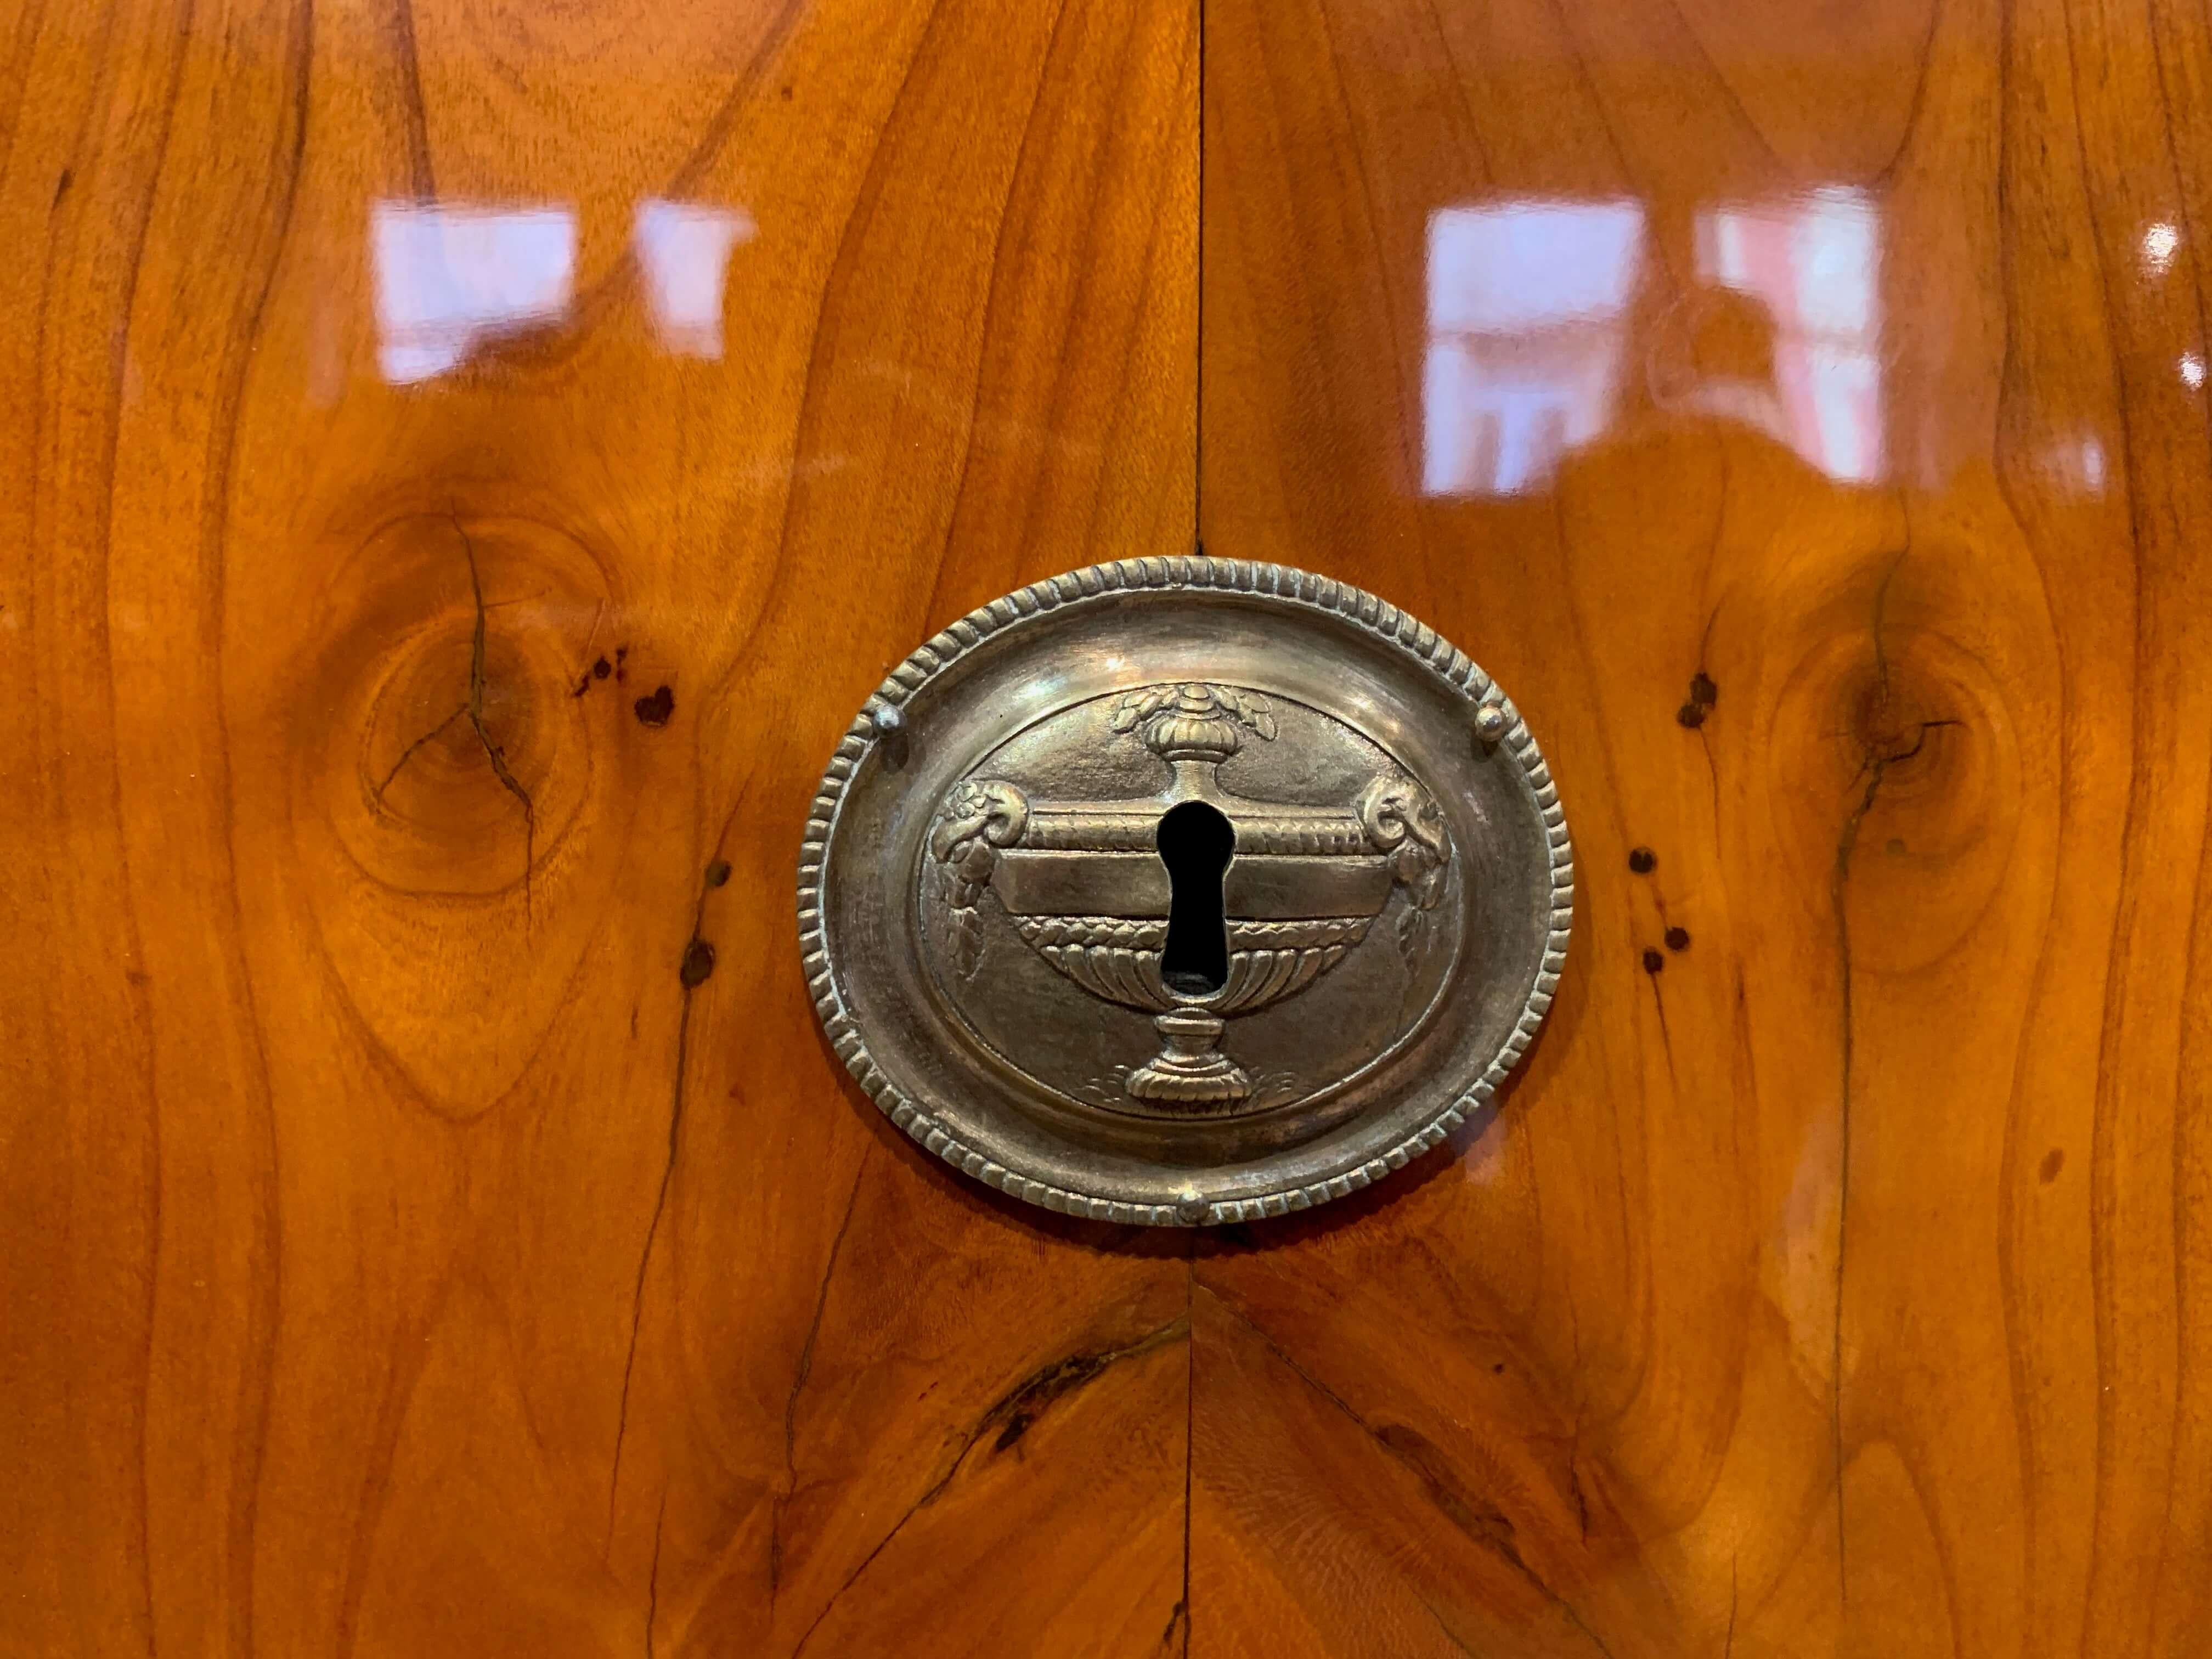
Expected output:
(1874, 766)
(1444, 1629)
(1575, 1481)
(653, 1576)
(493, 752)
(472, 709)
(804, 1369)
(1847, 839)
(688, 988)
(1479, 1521)
(1178, 1623)
(1189, 1437)
(1026, 1400)
(408, 752)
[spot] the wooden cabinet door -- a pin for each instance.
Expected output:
(466, 462)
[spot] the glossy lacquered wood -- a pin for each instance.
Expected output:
(464, 465)
(433, 1224)
(1835, 1282)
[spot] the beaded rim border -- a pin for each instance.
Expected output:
(1415, 639)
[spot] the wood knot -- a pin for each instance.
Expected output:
(468, 743)
(1904, 796)
(460, 745)
(446, 775)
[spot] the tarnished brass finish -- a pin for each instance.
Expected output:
(1185, 890)
(1088, 889)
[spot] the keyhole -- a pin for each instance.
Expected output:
(1194, 844)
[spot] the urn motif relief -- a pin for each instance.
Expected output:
(1184, 890)
(1195, 904)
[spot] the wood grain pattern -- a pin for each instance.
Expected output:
(433, 1224)
(429, 1220)
(1835, 1282)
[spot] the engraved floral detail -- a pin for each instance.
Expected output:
(1193, 721)
(978, 817)
(1402, 819)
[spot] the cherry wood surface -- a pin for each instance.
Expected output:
(434, 1224)
(1840, 1282)
(466, 462)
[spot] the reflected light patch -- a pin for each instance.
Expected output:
(2076, 466)
(1526, 329)
(2158, 243)
(1813, 262)
(450, 274)
(683, 254)
(2192, 370)
(2091, 456)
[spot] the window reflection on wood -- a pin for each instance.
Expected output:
(1526, 304)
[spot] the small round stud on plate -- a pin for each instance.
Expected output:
(1198, 906)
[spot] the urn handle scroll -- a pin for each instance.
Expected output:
(978, 817)
(1184, 890)
(1085, 887)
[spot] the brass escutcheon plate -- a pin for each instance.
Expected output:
(1178, 891)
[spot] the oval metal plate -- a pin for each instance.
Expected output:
(1001, 954)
